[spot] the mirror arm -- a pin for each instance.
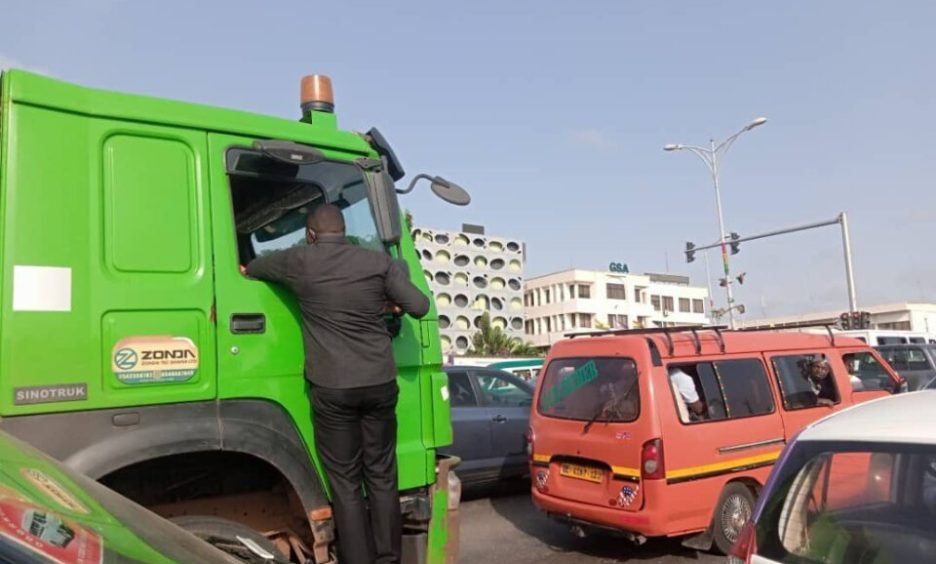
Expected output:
(413, 182)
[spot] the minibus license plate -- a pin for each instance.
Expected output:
(582, 472)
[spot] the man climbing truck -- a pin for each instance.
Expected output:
(132, 348)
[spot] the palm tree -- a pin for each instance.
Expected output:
(522, 348)
(493, 341)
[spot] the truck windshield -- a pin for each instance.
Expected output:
(271, 200)
(580, 388)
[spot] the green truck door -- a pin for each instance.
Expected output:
(260, 350)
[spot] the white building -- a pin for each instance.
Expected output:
(917, 317)
(575, 301)
(471, 273)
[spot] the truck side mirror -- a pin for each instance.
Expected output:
(384, 204)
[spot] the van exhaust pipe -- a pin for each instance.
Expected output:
(581, 529)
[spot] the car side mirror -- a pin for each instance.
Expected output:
(384, 204)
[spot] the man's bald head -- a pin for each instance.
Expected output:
(326, 219)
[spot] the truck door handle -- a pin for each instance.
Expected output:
(499, 419)
(242, 323)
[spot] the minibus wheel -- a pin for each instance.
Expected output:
(733, 510)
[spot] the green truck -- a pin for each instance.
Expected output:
(133, 349)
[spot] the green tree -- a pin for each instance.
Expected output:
(493, 341)
(522, 348)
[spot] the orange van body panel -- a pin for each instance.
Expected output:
(700, 458)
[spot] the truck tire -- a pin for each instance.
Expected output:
(733, 510)
(223, 534)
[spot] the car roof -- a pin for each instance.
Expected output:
(904, 418)
(516, 363)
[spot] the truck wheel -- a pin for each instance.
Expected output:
(223, 534)
(734, 508)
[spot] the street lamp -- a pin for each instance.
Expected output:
(711, 156)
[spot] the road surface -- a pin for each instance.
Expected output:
(500, 527)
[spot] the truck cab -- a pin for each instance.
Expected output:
(132, 347)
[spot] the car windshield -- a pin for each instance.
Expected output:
(589, 389)
(844, 502)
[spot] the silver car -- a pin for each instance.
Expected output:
(857, 486)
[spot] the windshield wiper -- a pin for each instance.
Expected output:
(602, 409)
(605, 408)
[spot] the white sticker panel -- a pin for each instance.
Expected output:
(41, 288)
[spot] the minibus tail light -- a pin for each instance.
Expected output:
(746, 545)
(651, 460)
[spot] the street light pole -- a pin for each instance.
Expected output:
(710, 156)
(721, 238)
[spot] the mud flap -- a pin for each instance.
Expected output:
(323, 534)
(446, 497)
(699, 541)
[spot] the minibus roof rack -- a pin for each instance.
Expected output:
(665, 331)
(828, 326)
(694, 331)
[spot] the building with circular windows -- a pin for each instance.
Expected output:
(470, 273)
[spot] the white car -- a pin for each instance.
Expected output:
(856, 487)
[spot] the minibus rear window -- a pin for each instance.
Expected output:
(590, 389)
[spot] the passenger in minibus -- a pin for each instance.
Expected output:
(820, 377)
(685, 385)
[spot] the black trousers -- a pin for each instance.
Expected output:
(355, 434)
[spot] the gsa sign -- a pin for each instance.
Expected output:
(619, 267)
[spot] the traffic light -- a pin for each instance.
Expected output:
(690, 253)
(735, 245)
(845, 320)
(723, 282)
(855, 320)
(741, 277)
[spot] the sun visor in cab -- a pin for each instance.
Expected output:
(263, 213)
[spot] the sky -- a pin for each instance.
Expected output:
(554, 114)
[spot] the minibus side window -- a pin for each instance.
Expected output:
(865, 373)
(730, 389)
(706, 385)
(746, 388)
(797, 389)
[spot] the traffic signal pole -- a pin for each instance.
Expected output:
(849, 273)
(842, 220)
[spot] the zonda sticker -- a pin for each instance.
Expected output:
(145, 360)
(53, 489)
